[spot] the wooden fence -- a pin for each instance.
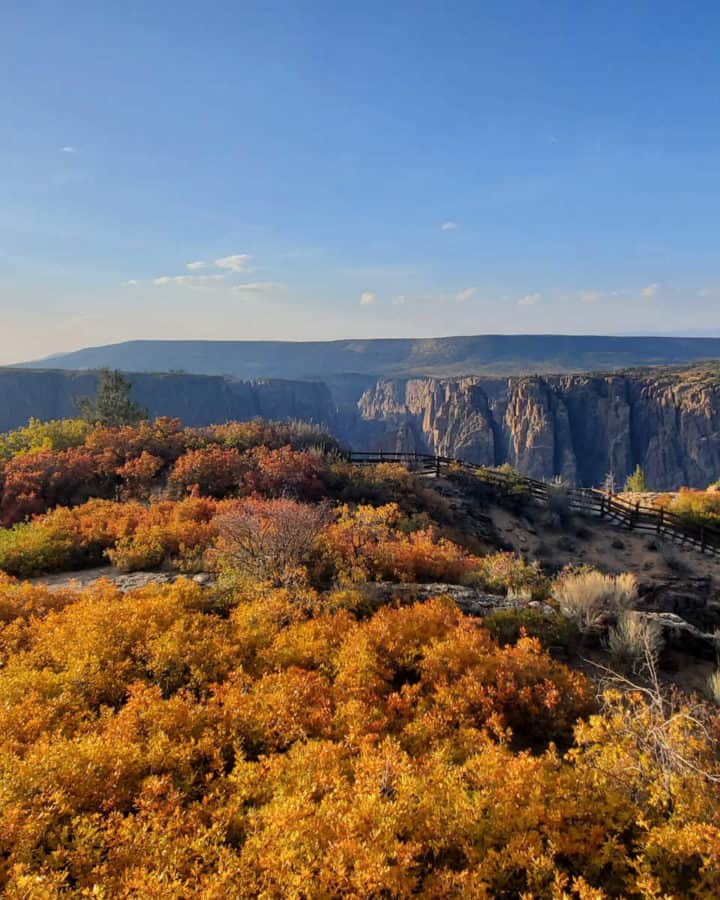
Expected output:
(589, 501)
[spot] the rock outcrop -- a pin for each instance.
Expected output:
(577, 427)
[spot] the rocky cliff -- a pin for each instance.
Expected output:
(196, 399)
(578, 427)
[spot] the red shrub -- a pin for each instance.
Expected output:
(138, 475)
(213, 472)
(285, 472)
(34, 483)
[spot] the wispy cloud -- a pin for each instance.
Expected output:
(130, 282)
(448, 226)
(256, 287)
(530, 300)
(590, 296)
(467, 294)
(367, 298)
(187, 280)
(68, 149)
(651, 290)
(400, 300)
(194, 266)
(236, 263)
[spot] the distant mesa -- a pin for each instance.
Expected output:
(401, 357)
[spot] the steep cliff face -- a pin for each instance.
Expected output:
(196, 399)
(580, 427)
(577, 427)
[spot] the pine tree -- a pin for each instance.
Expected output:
(636, 483)
(111, 405)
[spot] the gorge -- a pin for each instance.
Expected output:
(579, 427)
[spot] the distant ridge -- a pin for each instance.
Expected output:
(398, 357)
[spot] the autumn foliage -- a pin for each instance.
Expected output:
(276, 734)
(66, 463)
(150, 747)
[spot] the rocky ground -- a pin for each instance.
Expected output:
(126, 581)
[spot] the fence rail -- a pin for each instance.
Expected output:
(591, 501)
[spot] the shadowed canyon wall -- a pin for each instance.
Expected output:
(579, 427)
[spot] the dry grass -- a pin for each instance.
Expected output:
(633, 640)
(714, 686)
(585, 596)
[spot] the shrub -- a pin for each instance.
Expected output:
(284, 472)
(635, 641)
(37, 436)
(149, 748)
(138, 475)
(44, 545)
(558, 504)
(165, 438)
(385, 483)
(368, 543)
(33, 483)
(636, 483)
(269, 540)
(553, 631)
(714, 686)
(508, 573)
(22, 600)
(584, 596)
(213, 472)
(130, 535)
(697, 507)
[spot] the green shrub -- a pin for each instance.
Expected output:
(49, 545)
(507, 573)
(59, 434)
(552, 630)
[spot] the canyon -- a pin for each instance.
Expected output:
(578, 427)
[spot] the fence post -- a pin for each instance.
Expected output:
(382, 455)
(437, 466)
(661, 519)
(635, 515)
(602, 506)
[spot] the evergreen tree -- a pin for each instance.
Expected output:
(111, 405)
(636, 483)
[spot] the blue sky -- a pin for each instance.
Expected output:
(356, 170)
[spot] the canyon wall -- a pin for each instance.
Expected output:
(196, 399)
(578, 427)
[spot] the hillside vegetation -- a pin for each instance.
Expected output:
(282, 729)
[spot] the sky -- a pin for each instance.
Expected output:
(297, 170)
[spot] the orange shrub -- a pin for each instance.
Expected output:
(367, 543)
(132, 536)
(700, 507)
(149, 748)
